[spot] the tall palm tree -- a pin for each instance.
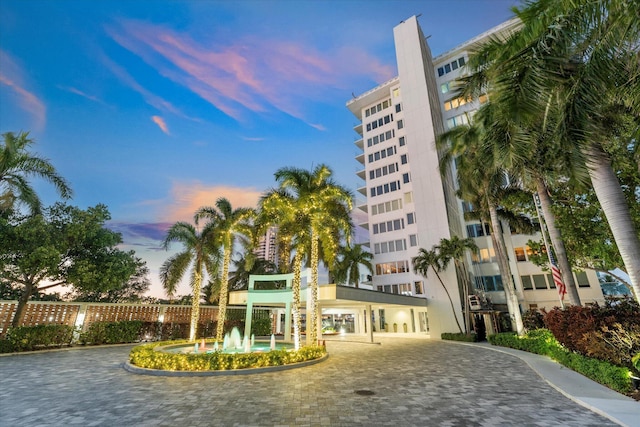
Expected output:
(17, 165)
(583, 54)
(481, 180)
(348, 266)
(327, 206)
(199, 253)
(279, 207)
(227, 223)
(455, 249)
(430, 259)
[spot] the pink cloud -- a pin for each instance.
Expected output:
(186, 198)
(254, 74)
(161, 123)
(11, 75)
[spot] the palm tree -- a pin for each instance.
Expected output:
(327, 207)
(583, 56)
(348, 266)
(17, 165)
(278, 207)
(430, 259)
(481, 180)
(455, 249)
(227, 223)
(199, 253)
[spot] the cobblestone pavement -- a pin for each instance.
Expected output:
(416, 383)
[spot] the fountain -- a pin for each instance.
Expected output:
(233, 343)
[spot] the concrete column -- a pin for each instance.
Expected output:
(370, 325)
(247, 318)
(287, 321)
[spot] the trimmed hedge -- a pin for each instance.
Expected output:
(145, 356)
(542, 341)
(125, 331)
(457, 336)
(26, 338)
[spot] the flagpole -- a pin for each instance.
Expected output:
(543, 231)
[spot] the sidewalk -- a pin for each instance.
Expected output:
(596, 397)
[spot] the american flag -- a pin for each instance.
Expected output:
(557, 278)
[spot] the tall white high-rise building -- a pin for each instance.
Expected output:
(409, 205)
(267, 248)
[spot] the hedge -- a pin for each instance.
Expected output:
(457, 336)
(542, 341)
(26, 338)
(146, 356)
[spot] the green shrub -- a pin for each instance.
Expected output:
(457, 336)
(25, 338)
(261, 327)
(6, 346)
(125, 331)
(542, 341)
(145, 356)
(533, 319)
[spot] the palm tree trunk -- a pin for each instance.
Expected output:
(312, 318)
(465, 295)
(505, 270)
(224, 294)
(611, 198)
(453, 308)
(297, 325)
(22, 305)
(557, 242)
(195, 303)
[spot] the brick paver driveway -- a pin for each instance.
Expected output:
(416, 383)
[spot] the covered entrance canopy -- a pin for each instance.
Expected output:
(406, 312)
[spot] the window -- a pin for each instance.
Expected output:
(408, 197)
(413, 240)
(376, 155)
(444, 88)
(461, 62)
(396, 92)
(366, 112)
(398, 108)
(368, 127)
(582, 279)
(403, 159)
(526, 282)
(520, 256)
(411, 218)
(372, 174)
(552, 284)
(373, 192)
(447, 68)
(405, 177)
(375, 229)
(400, 124)
(394, 186)
(418, 287)
(440, 71)
(401, 141)
(374, 209)
(454, 65)
(370, 158)
(539, 281)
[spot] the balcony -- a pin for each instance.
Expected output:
(362, 174)
(360, 143)
(360, 158)
(362, 205)
(358, 128)
(363, 190)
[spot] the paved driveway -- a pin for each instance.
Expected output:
(416, 383)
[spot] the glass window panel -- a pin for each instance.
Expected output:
(526, 282)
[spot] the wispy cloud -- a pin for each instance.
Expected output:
(161, 123)
(250, 74)
(82, 94)
(252, 138)
(12, 75)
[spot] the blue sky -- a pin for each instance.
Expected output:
(156, 108)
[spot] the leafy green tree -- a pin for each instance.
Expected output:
(64, 246)
(227, 223)
(17, 166)
(200, 253)
(132, 291)
(431, 259)
(326, 205)
(347, 268)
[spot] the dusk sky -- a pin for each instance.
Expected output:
(156, 108)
